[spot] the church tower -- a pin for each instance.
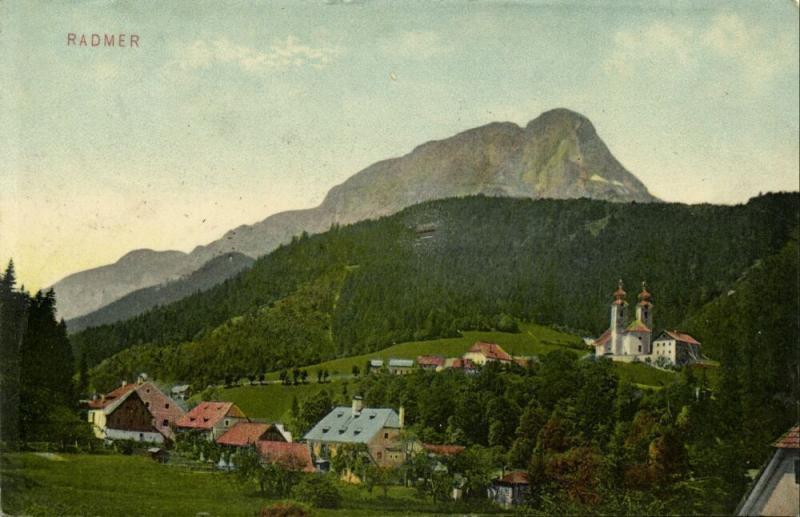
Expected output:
(619, 318)
(644, 309)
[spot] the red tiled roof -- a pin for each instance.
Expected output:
(111, 396)
(207, 414)
(243, 434)
(790, 440)
(430, 360)
(294, 456)
(519, 477)
(491, 351)
(603, 339)
(680, 336)
(443, 450)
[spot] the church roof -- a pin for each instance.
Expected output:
(603, 339)
(637, 326)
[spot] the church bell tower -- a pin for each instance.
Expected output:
(619, 318)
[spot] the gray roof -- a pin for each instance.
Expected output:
(401, 363)
(376, 362)
(342, 426)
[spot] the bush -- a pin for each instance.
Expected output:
(288, 509)
(319, 491)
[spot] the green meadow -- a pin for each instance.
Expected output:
(274, 401)
(115, 485)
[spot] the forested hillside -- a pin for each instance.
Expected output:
(212, 273)
(754, 330)
(445, 266)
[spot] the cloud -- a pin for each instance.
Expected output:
(419, 45)
(283, 55)
(728, 41)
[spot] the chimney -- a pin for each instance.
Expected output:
(402, 417)
(358, 405)
(124, 383)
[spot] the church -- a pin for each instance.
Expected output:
(634, 341)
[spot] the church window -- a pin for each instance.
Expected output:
(640, 348)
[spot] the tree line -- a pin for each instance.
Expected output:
(38, 398)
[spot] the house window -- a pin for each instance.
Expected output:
(166, 406)
(640, 347)
(385, 437)
(165, 423)
(227, 423)
(379, 455)
(141, 437)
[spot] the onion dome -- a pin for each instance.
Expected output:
(619, 295)
(644, 296)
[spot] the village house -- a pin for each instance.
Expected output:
(510, 490)
(125, 418)
(376, 428)
(211, 419)
(776, 491)
(481, 353)
(632, 341)
(245, 434)
(161, 412)
(401, 366)
(292, 456)
(430, 362)
(375, 365)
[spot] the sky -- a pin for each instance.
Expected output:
(225, 114)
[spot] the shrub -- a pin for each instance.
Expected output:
(319, 491)
(288, 509)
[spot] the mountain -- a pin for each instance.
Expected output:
(557, 155)
(213, 272)
(444, 266)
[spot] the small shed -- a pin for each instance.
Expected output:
(510, 490)
(158, 454)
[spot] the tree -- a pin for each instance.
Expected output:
(83, 375)
(304, 376)
(295, 375)
(320, 375)
(356, 371)
(319, 491)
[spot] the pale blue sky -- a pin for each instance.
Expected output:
(228, 113)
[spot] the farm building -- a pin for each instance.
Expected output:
(162, 411)
(212, 419)
(401, 366)
(481, 353)
(430, 362)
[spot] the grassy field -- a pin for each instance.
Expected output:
(643, 375)
(274, 401)
(116, 485)
(531, 340)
